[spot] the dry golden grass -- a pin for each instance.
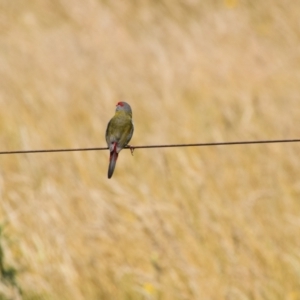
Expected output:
(192, 223)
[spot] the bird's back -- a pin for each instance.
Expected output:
(119, 129)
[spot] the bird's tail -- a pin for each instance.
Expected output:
(112, 162)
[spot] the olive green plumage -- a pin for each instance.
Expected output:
(118, 133)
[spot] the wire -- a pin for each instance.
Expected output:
(52, 150)
(218, 144)
(132, 148)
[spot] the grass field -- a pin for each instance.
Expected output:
(171, 224)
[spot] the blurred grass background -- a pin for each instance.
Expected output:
(192, 223)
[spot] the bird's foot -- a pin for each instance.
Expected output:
(131, 149)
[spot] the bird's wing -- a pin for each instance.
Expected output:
(127, 132)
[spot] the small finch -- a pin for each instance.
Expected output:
(118, 133)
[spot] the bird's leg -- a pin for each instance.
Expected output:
(131, 149)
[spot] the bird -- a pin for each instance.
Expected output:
(118, 133)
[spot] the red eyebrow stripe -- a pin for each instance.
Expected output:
(120, 103)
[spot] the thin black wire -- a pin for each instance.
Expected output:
(154, 146)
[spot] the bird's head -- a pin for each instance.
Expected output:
(123, 106)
